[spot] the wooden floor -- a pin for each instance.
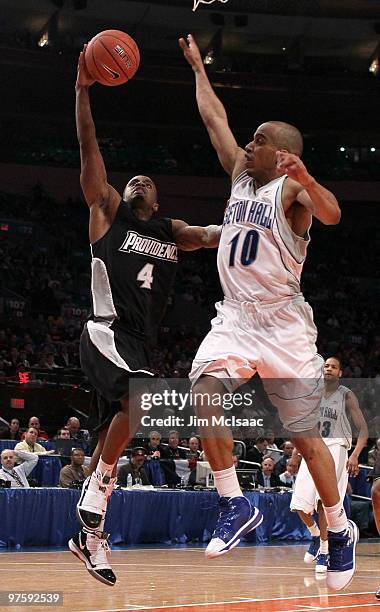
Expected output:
(249, 579)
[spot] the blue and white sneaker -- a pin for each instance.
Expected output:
(237, 518)
(312, 552)
(341, 565)
(321, 563)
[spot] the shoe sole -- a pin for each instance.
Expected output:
(320, 569)
(78, 553)
(246, 528)
(356, 539)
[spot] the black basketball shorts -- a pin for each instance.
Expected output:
(110, 358)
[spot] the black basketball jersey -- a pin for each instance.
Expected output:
(133, 269)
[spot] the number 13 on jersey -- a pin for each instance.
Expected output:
(248, 251)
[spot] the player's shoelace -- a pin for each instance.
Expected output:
(99, 548)
(226, 518)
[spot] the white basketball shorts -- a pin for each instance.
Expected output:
(277, 341)
(305, 495)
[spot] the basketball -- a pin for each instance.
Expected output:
(112, 57)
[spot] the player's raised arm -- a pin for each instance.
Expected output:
(193, 237)
(213, 113)
(304, 189)
(100, 196)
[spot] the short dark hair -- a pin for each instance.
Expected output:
(288, 137)
(338, 359)
(75, 450)
(260, 440)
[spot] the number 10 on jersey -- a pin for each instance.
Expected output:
(248, 252)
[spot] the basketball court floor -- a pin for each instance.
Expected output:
(249, 579)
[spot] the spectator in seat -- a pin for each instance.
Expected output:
(134, 468)
(173, 452)
(155, 450)
(76, 433)
(63, 434)
(35, 422)
(17, 474)
(257, 452)
(11, 432)
(288, 477)
(75, 472)
(269, 436)
(14, 430)
(30, 443)
(50, 362)
(266, 478)
(194, 447)
(287, 449)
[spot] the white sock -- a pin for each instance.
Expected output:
(324, 547)
(226, 483)
(336, 518)
(104, 468)
(314, 530)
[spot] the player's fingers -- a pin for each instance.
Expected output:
(182, 44)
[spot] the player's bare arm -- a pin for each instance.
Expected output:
(213, 113)
(306, 191)
(353, 410)
(101, 197)
(193, 237)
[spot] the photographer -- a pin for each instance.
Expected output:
(74, 473)
(16, 475)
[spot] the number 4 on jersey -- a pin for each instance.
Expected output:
(146, 276)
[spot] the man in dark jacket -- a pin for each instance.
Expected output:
(266, 478)
(134, 468)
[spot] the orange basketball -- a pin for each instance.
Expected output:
(112, 57)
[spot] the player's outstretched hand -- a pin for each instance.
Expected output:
(191, 52)
(353, 466)
(84, 79)
(293, 167)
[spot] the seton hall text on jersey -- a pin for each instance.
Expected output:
(146, 245)
(328, 412)
(248, 211)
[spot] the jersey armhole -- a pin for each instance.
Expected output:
(120, 208)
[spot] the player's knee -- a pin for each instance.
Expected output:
(308, 447)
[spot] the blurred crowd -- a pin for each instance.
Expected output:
(197, 159)
(44, 296)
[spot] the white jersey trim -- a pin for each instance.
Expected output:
(281, 213)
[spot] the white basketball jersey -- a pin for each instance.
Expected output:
(259, 257)
(334, 425)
